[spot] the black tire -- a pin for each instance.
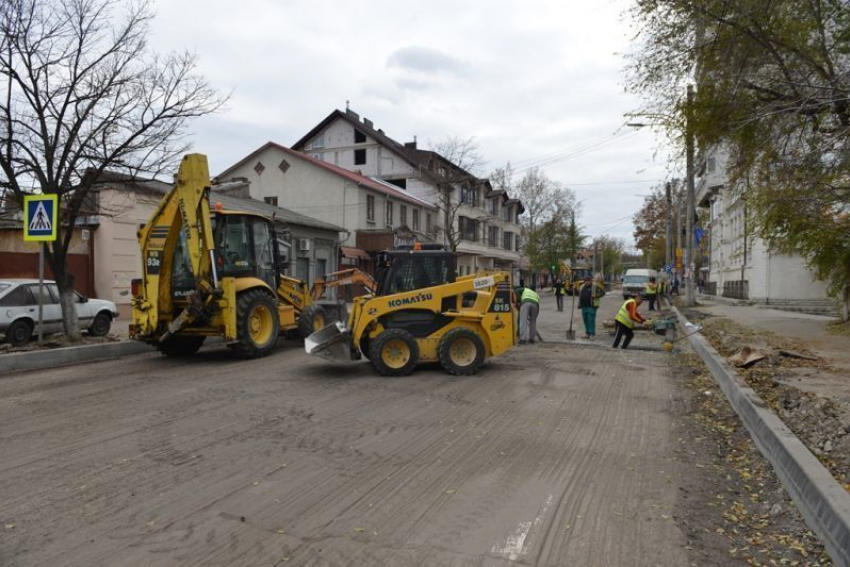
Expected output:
(312, 316)
(101, 325)
(248, 305)
(176, 347)
(19, 333)
(391, 339)
(461, 352)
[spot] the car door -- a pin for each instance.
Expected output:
(52, 313)
(17, 304)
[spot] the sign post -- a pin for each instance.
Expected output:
(40, 212)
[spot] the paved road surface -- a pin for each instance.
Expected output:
(551, 455)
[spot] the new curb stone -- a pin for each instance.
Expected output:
(49, 358)
(824, 503)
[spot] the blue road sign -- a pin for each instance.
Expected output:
(40, 212)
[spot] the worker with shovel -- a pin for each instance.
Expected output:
(588, 301)
(625, 321)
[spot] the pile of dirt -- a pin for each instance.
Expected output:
(821, 423)
(735, 509)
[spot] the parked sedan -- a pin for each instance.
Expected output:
(19, 311)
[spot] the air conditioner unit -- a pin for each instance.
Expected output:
(304, 244)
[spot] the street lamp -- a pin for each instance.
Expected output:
(690, 266)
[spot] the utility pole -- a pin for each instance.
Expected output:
(668, 241)
(690, 298)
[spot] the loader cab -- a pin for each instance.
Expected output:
(245, 246)
(399, 271)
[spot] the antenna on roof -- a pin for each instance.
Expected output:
(414, 137)
(346, 105)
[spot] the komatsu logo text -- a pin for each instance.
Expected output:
(411, 300)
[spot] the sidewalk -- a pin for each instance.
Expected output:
(809, 330)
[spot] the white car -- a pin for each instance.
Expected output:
(19, 311)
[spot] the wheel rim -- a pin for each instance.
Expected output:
(260, 324)
(20, 335)
(100, 325)
(318, 322)
(463, 351)
(395, 353)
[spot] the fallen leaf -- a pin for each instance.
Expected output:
(359, 530)
(280, 531)
(451, 491)
(10, 526)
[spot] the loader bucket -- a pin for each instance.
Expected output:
(332, 343)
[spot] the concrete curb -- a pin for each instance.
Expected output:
(15, 362)
(824, 503)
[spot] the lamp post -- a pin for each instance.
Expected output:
(690, 200)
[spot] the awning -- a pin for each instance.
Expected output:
(354, 253)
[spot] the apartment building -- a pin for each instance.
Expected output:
(479, 223)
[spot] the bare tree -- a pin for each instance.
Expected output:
(84, 94)
(455, 171)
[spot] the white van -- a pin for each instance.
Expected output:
(635, 280)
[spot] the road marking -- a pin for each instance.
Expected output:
(515, 544)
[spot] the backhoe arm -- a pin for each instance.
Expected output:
(341, 278)
(182, 218)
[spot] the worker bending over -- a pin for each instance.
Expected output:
(625, 321)
(529, 308)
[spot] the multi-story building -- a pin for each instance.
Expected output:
(377, 214)
(481, 224)
(740, 264)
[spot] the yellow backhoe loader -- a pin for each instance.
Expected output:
(422, 313)
(218, 273)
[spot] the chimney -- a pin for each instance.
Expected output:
(410, 145)
(380, 131)
(353, 114)
(368, 123)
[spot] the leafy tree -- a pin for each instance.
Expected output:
(773, 82)
(610, 250)
(83, 94)
(651, 226)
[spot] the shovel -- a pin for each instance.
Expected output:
(571, 335)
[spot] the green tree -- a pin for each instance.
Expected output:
(651, 226)
(773, 82)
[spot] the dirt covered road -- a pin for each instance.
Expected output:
(551, 455)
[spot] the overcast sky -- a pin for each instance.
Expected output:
(532, 82)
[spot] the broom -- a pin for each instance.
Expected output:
(571, 335)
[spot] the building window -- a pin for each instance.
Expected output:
(284, 166)
(517, 243)
(400, 183)
(259, 168)
(359, 137)
(318, 142)
(319, 156)
(370, 208)
(389, 213)
(468, 229)
(403, 216)
(506, 240)
(493, 207)
(492, 236)
(507, 213)
(359, 157)
(468, 196)
(270, 201)
(427, 223)
(415, 219)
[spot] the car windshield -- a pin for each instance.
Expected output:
(635, 279)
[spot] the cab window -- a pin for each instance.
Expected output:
(18, 297)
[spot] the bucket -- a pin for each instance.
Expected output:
(333, 343)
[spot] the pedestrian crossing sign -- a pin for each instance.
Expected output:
(40, 213)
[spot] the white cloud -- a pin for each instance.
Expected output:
(526, 79)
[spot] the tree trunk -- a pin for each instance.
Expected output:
(845, 307)
(68, 302)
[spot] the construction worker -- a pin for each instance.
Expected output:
(589, 295)
(651, 293)
(625, 321)
(529, 307)
(559, 293)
